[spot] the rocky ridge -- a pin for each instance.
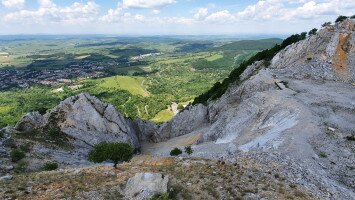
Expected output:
(297, 113)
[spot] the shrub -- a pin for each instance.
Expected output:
(352, 17)
(25, 147)
(2, 134)
(312, 32)
(20, 167)
(323, 155)
(116, 152)
(17, 155)
(341, 18)
(188, 150)
(326, 24)
(351, 138)
(175, 152)
(50, 166)
(164, 196)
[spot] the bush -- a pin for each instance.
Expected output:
(175, 152)
(164, 196)
(352, 17)
(188, 150)
(326, 24)
(25, 147)
(50, 166)
(17, 155)
(351, 138)
(312, 32)
(116, 152)
(341, 18)
(20, 167)
(2, 134)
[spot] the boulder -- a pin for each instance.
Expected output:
(31, 121)
(6, 178)
(146, 185)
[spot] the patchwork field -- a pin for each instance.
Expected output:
(141, 77)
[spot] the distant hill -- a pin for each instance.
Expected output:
(250, 45)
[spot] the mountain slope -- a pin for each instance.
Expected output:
(298, 112)
(294, 116)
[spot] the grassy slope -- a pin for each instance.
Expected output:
(163, 116)
(190, 178)
(135, 85)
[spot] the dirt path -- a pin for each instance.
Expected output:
(147, 94)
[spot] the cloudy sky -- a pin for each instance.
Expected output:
(163, 17)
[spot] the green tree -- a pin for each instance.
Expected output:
(116, 152)
(312, 32)
(188, 150)
(326, 24)
(352, 17)
(175, 152)
(341, 18)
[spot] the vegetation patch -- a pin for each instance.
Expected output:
(163, 116)
(220, 88)
(17, 155)
(175, 152)
(50, 166)
(135, 85)
(116, 152)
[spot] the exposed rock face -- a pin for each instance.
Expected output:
(86, 120)
(328, 55)
(282, 113)
(187, 121)
(145, 185)
(31, 121)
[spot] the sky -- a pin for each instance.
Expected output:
(168, 17)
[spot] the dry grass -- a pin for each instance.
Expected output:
(190, 178)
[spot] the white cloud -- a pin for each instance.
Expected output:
(220, 17)
(201, 13)
(281, 10)
(50, 12)
(147, 3)
(13, 3)
(113, 15)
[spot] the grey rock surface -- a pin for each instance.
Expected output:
(6, 178)
(282, 113)
(145, 185)
(31, 121)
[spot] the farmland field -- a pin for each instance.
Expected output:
(141, 77)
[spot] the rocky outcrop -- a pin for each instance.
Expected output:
(282, 114)
(146, 185)
(185, 122)
(31, 121)
(85, 120)
(328, 55)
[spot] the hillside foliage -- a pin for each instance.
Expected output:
(219, 88)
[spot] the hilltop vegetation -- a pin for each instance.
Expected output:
(177, 70)
(219, 88)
